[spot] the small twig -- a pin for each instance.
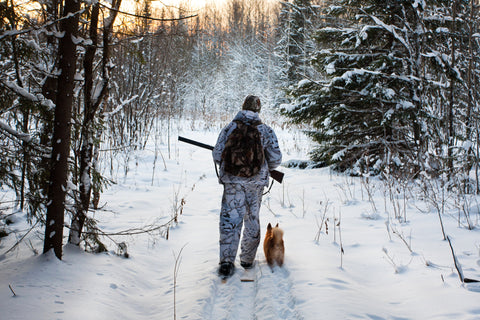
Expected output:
(178, 260)
(11, 289)
(368, 188)
(402, 237)
(132, 231)
(387, 224)
(303, 203)
(342, 252)
(320, 226)
(390, 259)
(334, 227)
(269, 209)
(23, 237)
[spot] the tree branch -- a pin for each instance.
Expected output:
(146, 17)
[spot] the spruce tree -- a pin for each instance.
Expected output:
(364, 109)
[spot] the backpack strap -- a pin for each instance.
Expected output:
(269, 188)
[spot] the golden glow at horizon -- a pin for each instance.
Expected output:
(129, 5)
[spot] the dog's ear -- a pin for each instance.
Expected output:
(276, 226)
(269, 226)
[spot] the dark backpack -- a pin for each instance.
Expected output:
(243, 155)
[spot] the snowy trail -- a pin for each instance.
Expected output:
(231, 300)
(317, 280)
(269, 296)
(275, 296)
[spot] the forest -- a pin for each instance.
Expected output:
(383, 88)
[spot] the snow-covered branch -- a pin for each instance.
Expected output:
(24, 93)
(25, 137)
(391, 29)
(13, 33)
(119, 107)
(20, 135)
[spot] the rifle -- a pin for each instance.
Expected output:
(275, 174)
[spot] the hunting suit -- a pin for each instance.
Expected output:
(242, 196)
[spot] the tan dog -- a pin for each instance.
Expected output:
(273, 246)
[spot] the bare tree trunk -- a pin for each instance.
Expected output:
(26, 159)
(61, 131)
(450, 129)
(468, 122)
(86, 143)
(92, 102)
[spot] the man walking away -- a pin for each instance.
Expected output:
(246, 150)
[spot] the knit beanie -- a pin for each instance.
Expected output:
(252, 103)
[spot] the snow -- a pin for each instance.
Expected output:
(287, 107)
(21, 135)
(405, 105)
(78, 77)
(442, 30)
(330, 68)
(389, 113)
(351, 74)
(389, 269)
(418, 3)
(389, 93)
(466, 145)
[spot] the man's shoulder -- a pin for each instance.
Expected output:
(229, 126)
(265, 127)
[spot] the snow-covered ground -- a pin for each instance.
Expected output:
(388, 269)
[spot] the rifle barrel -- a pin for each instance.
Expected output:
(195, 143)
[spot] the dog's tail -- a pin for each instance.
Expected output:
(277, 233)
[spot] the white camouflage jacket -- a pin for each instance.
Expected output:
(273, 155)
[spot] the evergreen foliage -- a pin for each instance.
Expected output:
(383, 79)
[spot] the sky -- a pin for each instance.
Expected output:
(197, 4)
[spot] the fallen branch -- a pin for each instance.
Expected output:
(130, 232)
(458, 266)
(23, 237)
(11, 289)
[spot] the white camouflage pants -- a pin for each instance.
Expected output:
(240, 207)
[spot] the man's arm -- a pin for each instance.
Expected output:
(220, 145)
(272, 150)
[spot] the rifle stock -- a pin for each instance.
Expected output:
(275, 174)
